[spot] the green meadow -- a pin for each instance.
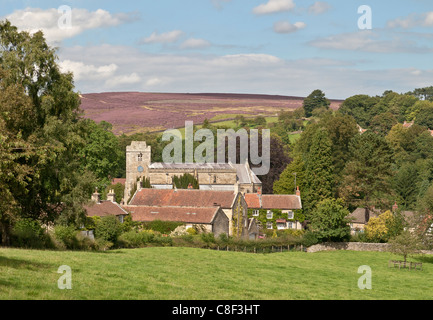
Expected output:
(168, 273)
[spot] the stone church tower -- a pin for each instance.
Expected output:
(138, 157)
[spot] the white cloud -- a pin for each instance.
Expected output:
(194, 43)
(52, 21)
(412, 20)
(274, 6)
(378, 41)
(167, 37)
(239, 73)
(87, 71)
(287, 27)
(319, 7)
(121, 80)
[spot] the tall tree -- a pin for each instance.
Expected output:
(367, 174)
(315, 100)
(50, 125)
(319, 178)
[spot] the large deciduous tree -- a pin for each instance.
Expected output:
(41, 130)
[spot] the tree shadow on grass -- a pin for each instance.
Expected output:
(22, 264)
(425, 259)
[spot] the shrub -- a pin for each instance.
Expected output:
(28, 233)
(207, 237)
(309, 239)
(165, 227)
(108, 229)
(66, 237)
(134, 239)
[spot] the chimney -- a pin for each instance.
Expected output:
(298, 192)
(96, 197)
(111, 196)
(395, 207)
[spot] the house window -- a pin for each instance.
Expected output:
(256, 213)
(289, 225)
(290, 215)
(121, 219)
(269, 225)
(269, 214)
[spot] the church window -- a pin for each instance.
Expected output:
(140, 157)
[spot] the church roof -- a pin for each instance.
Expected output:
(191, 166)
(183, 198)
(178, 214)
(244, 174)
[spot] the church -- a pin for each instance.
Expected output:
(210, 176)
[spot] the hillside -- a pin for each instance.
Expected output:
(131, 112)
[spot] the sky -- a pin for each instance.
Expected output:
(283, 47)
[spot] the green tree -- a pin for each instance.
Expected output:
(294, 172)
(329, 221)
(319, 179)
(315, 100)
(405, 244)
(361, 108)
(368, 172)
(101, 153)
(405, 185)
(184, 181)
(50, 126)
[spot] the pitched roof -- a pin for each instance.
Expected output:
(178, 214)
(359, 215)
(183, 198)
(273, 201)
(104, 208)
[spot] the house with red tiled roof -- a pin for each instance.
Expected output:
(102, 208)
(275, 211)
(232, 204)
(212, 219)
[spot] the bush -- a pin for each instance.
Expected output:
(66, 237)
(134, 239)
(164, 227)
(309, 239)
(28, 233)
(108, 229)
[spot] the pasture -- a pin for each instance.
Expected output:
(172, 273)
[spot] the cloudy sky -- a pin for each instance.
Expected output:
(287, 47)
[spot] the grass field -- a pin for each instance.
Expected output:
(198, 274)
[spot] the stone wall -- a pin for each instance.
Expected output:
(353, 246)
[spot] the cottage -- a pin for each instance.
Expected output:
(232, 203)
(102, 208)
(279, 209)
(359, 219)
(213, 219)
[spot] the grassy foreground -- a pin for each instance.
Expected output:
(190, 274)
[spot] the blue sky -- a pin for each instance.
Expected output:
(287, 47)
